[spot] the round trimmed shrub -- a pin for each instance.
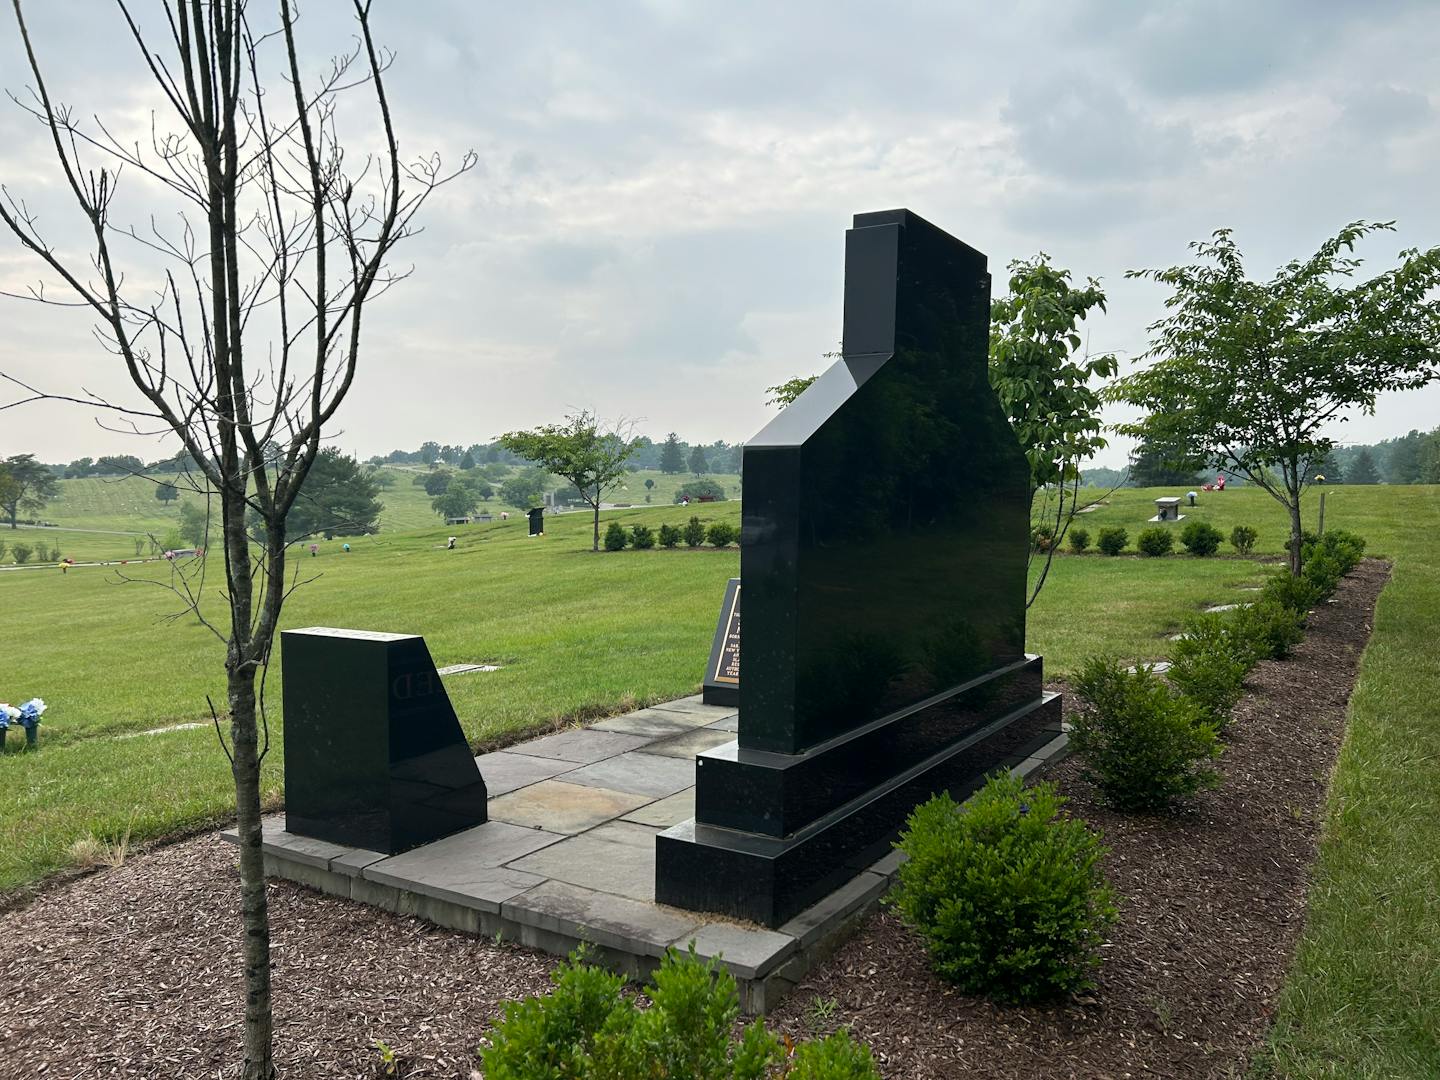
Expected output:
(615, 537)
(1242, 539)
(1112, 540)
(1079, 541)
(1156, 542)
(1006, 892)
(1267, 630)
(1209, 667)
(1201, 538)
(722, 533)
(670, 536)
(642, 537)
(1143, 745)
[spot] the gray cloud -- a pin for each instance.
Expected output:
(656, 226)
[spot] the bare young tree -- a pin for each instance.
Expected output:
(248, 339)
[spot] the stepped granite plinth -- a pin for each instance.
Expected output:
(568, 856)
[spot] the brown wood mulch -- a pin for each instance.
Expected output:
(1213, 901)
(134, 971)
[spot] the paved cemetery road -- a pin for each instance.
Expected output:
(76, 566)
(67, 528)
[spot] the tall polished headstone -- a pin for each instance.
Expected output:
(374, 755)
(885, 530)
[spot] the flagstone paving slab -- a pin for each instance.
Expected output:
(689, 744)
(618, 858)
(584, 745)
(729, 723)
(505, 770)
(603, 918)
(652, 723)
(644, 774)
(564, 808)
(747, 951)
(665, 812)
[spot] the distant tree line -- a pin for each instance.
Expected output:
(672, 455)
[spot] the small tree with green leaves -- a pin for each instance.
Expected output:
(1251, 375)
(167, 493)
(591, 459)
(1043, 376)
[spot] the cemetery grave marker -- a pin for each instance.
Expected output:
(722, 676)
(374, 755)
(885, 528)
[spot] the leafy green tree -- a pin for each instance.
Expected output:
(1251, 374)
(1402, 463)
(698, 465)
(1430, 458)
(591, 459)
(118, 465)
(526, 488)
(672, 460)
(194, 525)
(429, 452)
(1043, 377)
(338, 498)
(457, 500)
(78, 468)
(785, 393)
(1362, 468)
(167, 492)
(25, 484)
(467, 461)
(437, 481)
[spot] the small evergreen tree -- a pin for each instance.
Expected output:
(1362, 468)
(672, 459)
(698, 465)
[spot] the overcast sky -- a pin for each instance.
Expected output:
(656, 225)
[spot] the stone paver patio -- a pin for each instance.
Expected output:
(568, 856)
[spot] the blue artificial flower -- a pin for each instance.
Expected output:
(30, 713)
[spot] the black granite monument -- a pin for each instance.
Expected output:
(537, 521)
(722, 676)
(374, 755)
(885, 529)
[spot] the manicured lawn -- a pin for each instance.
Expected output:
(577, 634)
(101, 517)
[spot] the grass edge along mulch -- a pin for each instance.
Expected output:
(1213, 901)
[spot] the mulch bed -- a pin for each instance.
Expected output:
(134, 971)
(1213, 903)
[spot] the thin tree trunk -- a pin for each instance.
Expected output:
(254, 906)
(1295, 537)
(595, 543)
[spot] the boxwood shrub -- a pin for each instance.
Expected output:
(587, 1029)
(694, 532)
(1144, 745)
(1266, 630)
(670, 536)
(1079, 540)
(1209, 666)
(722, 533)
(1006, 892)
(616, 537)
(1242, 539)
(1112, 540)
(642, 537)
(1156, 542)
(1201, 538)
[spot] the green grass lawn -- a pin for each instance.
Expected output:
(580, 634)
(101, 517)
